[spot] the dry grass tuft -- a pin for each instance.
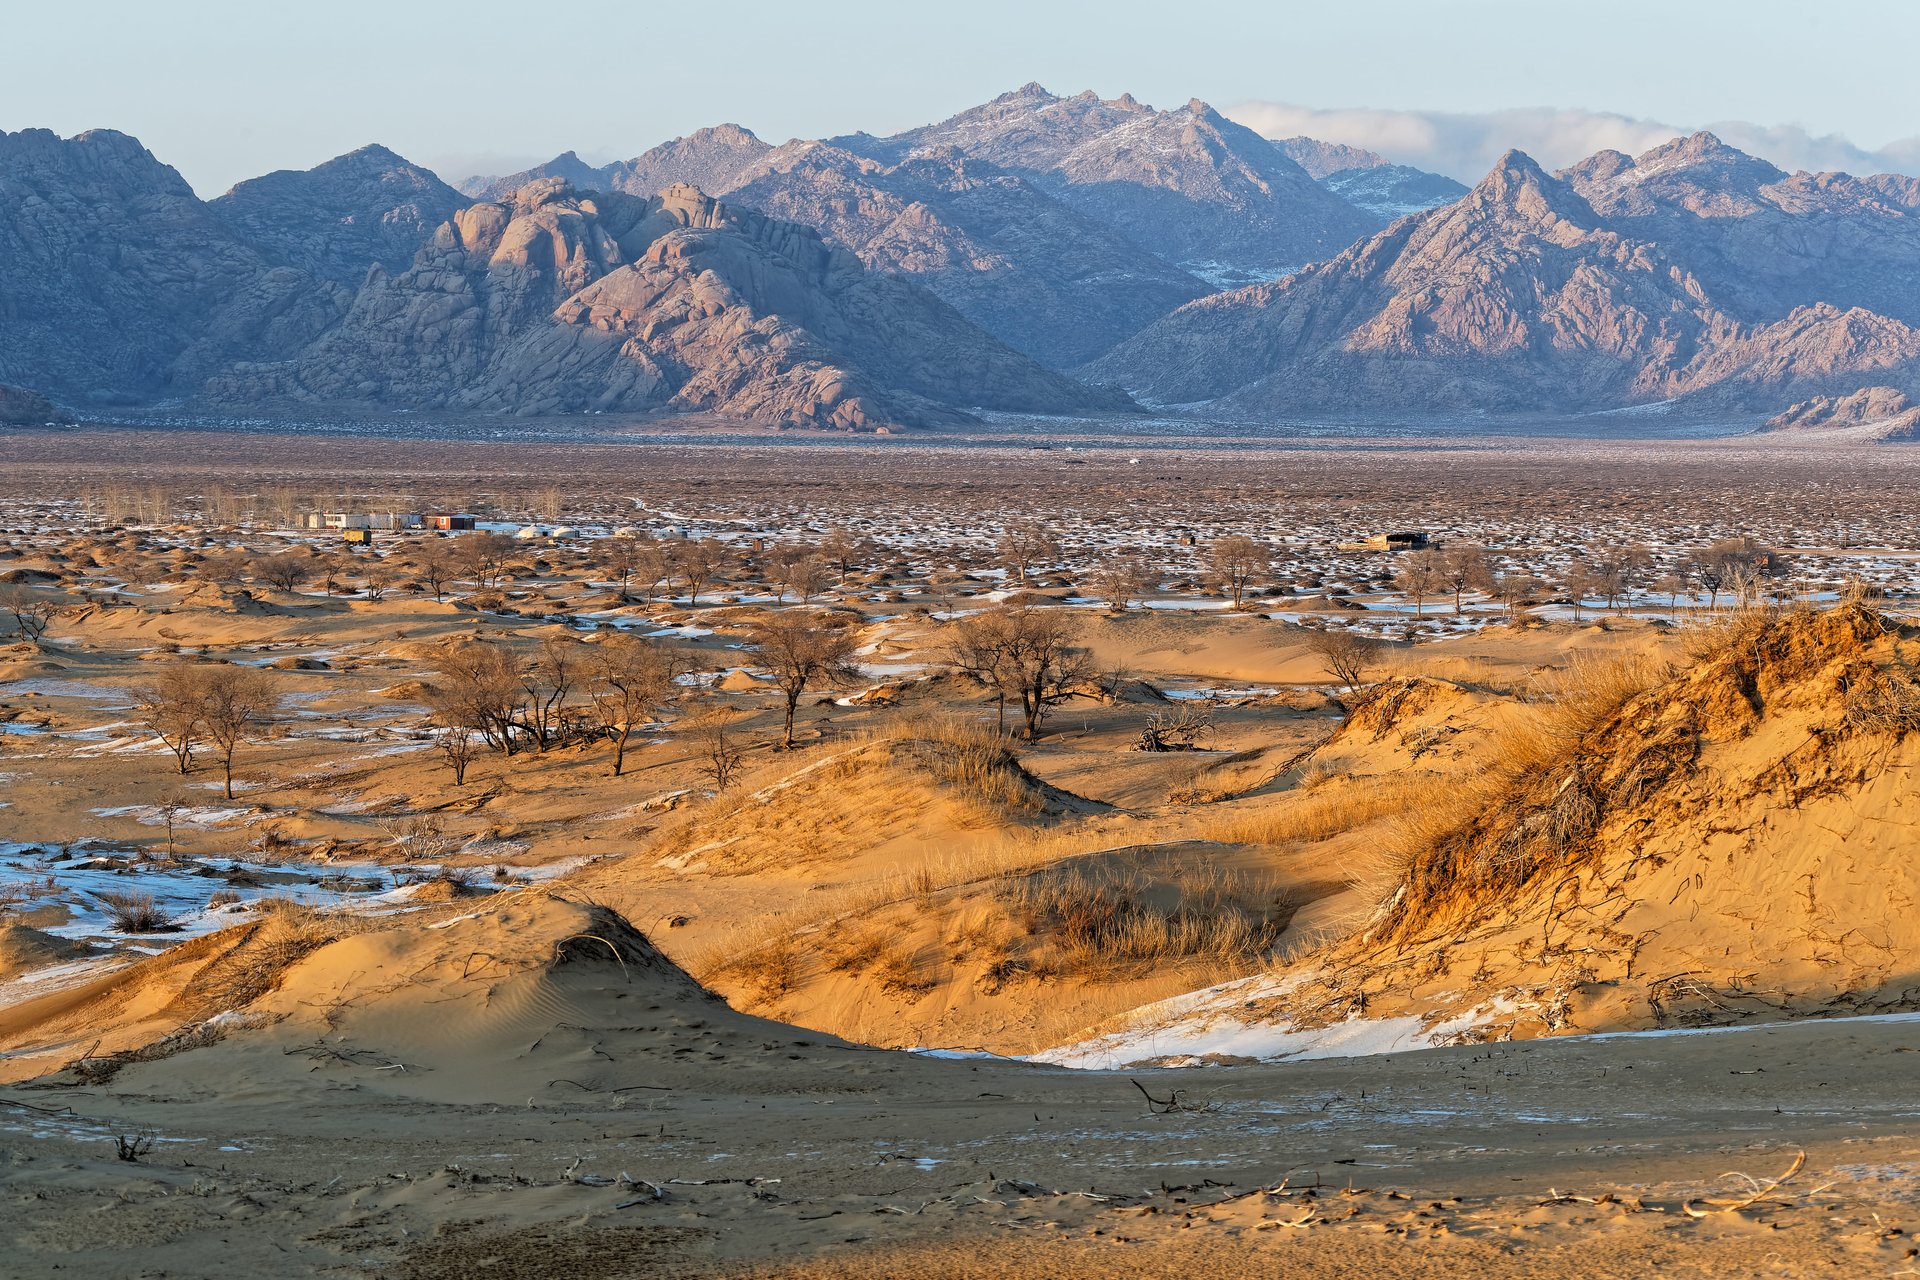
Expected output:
(1310, 816)
(1100, 918)
(286, 933)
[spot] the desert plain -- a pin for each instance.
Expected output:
(1012, 856)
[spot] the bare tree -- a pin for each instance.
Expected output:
(1671, 585)
(651, 567)
(284, 571)
(32, 611)
(172, 809)
(1025, 545)
(1027, 655)
(843, 550)
(619, 556)
(1420, 575)
(1348, 657)
(434, 562)
(326, 568)
(1234, 564)
(803, 650)
(458, 744)
(234, 702)
(170, 707)
(630, 677)
(1122, 580)
(698, 561)
(1738, 563)
(481, 558)
(478, 686)
(978, 647)
(1620, 569)
(1584, 580)
(1517, 588)
(1465, 568)
(798, 567)
(548, 677)
(720, 759)
(377, 580)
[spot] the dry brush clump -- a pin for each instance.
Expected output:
(1608, 737)
(137, 913)
(1093, 917)
(255, 960)
(975, 761)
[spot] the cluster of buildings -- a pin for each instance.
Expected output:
(398, 521)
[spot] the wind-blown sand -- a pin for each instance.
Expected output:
(505, 1094)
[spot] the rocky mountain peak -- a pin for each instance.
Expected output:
(1703, 153)
(101, 156)
(1517, 185)
(1320, 159)
(1031, 91)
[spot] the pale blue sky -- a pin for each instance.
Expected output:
(224, 89)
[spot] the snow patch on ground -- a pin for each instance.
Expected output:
(1189, 1029)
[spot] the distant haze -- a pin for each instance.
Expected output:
(1464, 145)
(227, 89)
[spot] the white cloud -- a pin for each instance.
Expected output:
(1464, 145)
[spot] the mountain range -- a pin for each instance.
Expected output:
(1060, 225)
(1692, 278)
(1036, 254)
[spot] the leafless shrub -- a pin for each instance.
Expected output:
(137, 913)
(130, 1147)
(721, 757)
(422, 838)
(1348, 657)
(32, 611)
(1180, 728)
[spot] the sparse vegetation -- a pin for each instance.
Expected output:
(137, 913)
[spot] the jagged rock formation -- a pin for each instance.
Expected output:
(564, 302)
(566, 166)
(1527, 296)
(1871, 413)
(20, 407)
(1759, 240)
(368, 282)
(713, 159)
(1324, 159)
(336, 219)
(1062, 226)
(716, 160)
(121, 286)
(1205, 194)
(1026, 267)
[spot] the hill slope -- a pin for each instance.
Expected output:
(562, 302)
(1728, 844)
(1600, 288)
